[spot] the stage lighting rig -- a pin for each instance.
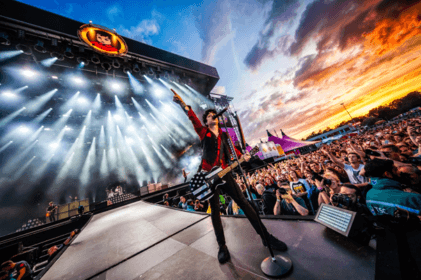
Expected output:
(116, 63)
(4, 39)
(57, 55)
(95, 59)
(136, 68)
(82, 60)
(68, 53)
(106, 65)
(39, 47)
(24, 48)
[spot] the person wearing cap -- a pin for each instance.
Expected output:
(386, 194)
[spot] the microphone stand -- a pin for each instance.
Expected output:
(273, 266)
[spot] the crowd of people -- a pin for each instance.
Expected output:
(22, 270)
(378, 171)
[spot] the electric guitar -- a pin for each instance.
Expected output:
(203, 184)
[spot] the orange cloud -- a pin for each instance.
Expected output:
(390, 33)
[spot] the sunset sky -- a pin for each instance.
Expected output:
(288, 64)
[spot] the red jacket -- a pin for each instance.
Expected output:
(203, 131)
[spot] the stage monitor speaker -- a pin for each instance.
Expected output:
(340, 220)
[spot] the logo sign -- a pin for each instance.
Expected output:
(102, 40)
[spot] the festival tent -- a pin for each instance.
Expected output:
(287, 143)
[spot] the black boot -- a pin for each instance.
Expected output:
(223, 254)
(276, 244)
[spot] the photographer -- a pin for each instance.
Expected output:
(350, 198)
(327, 185)
(387, 194)
(289, 205)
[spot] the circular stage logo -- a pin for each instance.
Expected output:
(102, 40)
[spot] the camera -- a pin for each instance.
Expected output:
(316, 177)
(371, 153)
(282, 191)
(342, 199)
(328, 182)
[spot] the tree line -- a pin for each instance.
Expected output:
(383, 112)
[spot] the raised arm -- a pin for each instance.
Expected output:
(333, 158)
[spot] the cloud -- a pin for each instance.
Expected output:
(213, 24)
(114, 11)
(143, 31)
(261, 51)
(282, 12)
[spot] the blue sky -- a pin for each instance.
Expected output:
(288, 64)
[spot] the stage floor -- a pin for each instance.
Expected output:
(145, 241)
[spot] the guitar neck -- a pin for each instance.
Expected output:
(229, 168)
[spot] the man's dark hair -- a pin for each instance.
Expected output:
(392, 147)
(377, 167)
(358, 192)
(205, 115)
(354, 153)
(103, 34)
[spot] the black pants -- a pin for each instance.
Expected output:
(52, 218)
(232, 189)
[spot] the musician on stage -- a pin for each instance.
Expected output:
(51, 210)
(216, 153)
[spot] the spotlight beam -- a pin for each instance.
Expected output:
(9, 54)
(5, 146)
(41, 117)
(20, 172)
(10, 117)
(40, 101)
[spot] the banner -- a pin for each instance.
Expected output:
(269, 149)
(102, 40)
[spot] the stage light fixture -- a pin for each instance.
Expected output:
(68, 53)
(95, 59)
(54, 145)
(136, 68)
(4, 39)
(116, 63)
(82, 60)
(28, 73)
(8, 94)
(106, 66)
(39, 47)
(117, 117)
(126, 69)
(129, 141)
(116, 86)
(131, 128)
(82, 100)
(23, 129)
(78, 80)
(24, 48)
(57, 55)
(66, 128)
(54, 77)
